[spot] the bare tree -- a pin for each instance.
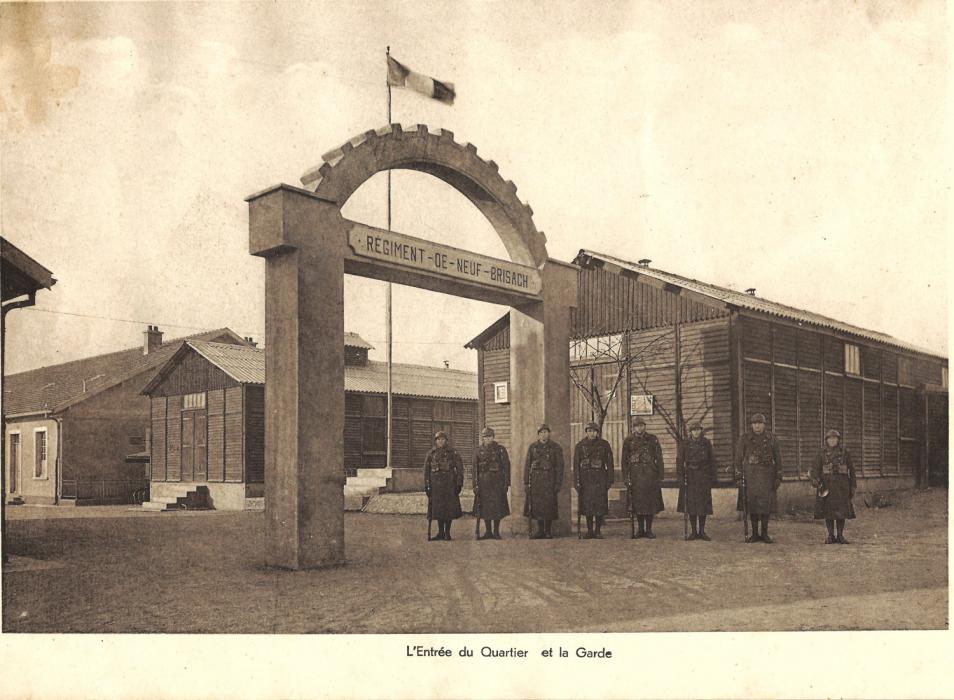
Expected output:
(674, 416)
(614, 352)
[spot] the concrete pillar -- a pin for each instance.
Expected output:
(540, 384)
(302, 240)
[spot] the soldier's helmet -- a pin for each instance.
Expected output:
(758, 418)
(638, 421)
(593, 426)
(487, 432)
(543, 426)
(695, 426)
(440, 434)
(833, 433)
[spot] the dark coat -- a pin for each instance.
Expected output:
(443, 481)
(759, 456)
(642, 465)
(696, 472)
(593, 474)
(833, 467)
(491, 481)
(543, 477)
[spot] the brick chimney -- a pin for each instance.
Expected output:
(644, 262)
(152, 339)
(250, 341)
(750, 291)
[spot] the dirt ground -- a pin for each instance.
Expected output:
(113, 570)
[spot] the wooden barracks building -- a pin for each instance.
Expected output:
(208, 420)
(69, 428)
(693, 351)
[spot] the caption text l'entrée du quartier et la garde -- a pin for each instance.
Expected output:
(489, 652)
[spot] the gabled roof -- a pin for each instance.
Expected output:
(246, 365)
(489, 332)
(353, 340)
(55, 388)
(20, 273)
(741, 300)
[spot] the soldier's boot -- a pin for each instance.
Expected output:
(840, 539)
(765, 536)
(440, 531)
(547, 534)
(641, 522)
(589, 527)
(830, 524)
(649, 528)
(693, 534)
(488, 534)
(539, 534)
(599, 527)
(447, 527)
(702, 529)
(754, 537)
(497, 529)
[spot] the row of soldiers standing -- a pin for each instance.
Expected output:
(758, 473)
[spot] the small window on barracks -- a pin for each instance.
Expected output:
(193, 401)
(852, 359)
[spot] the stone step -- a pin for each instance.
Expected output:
(383, 473)
(355, 501)
(158, 506)
(255, 504)
(366, 481)
(350, 490)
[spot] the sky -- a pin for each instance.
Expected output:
(798, 148)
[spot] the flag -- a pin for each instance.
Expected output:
(400, 75)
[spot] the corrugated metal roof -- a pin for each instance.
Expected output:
(56, 387)
(412, 380)
(244, 364)
(247, 365)
(751, 302)
(353, 340)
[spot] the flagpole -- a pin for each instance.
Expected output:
(388, 298)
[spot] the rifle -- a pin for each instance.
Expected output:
(429, 519)
(745, 505)
(632, 510)
(528, 509)
(477, 510)
(685, 502)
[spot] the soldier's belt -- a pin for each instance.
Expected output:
(586, 465)
(835, 469)
(540, 466)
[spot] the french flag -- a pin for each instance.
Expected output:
(400, 75)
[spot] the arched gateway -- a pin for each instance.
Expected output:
(309, 247)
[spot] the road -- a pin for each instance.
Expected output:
(112, 570)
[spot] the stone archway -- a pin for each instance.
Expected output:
(309, 246)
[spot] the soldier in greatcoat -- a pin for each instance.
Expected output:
(758, 463)
(696, 471)
(543, 477)
(491, 481)
(643, 474)
(592, 477)
(833, 475)
(443, 481)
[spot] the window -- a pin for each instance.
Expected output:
(852, 359)
(944, 377)
(501, 393)
(39, 453)
(14, 460)
(597, 347)
(374, 433)
(190, 401)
